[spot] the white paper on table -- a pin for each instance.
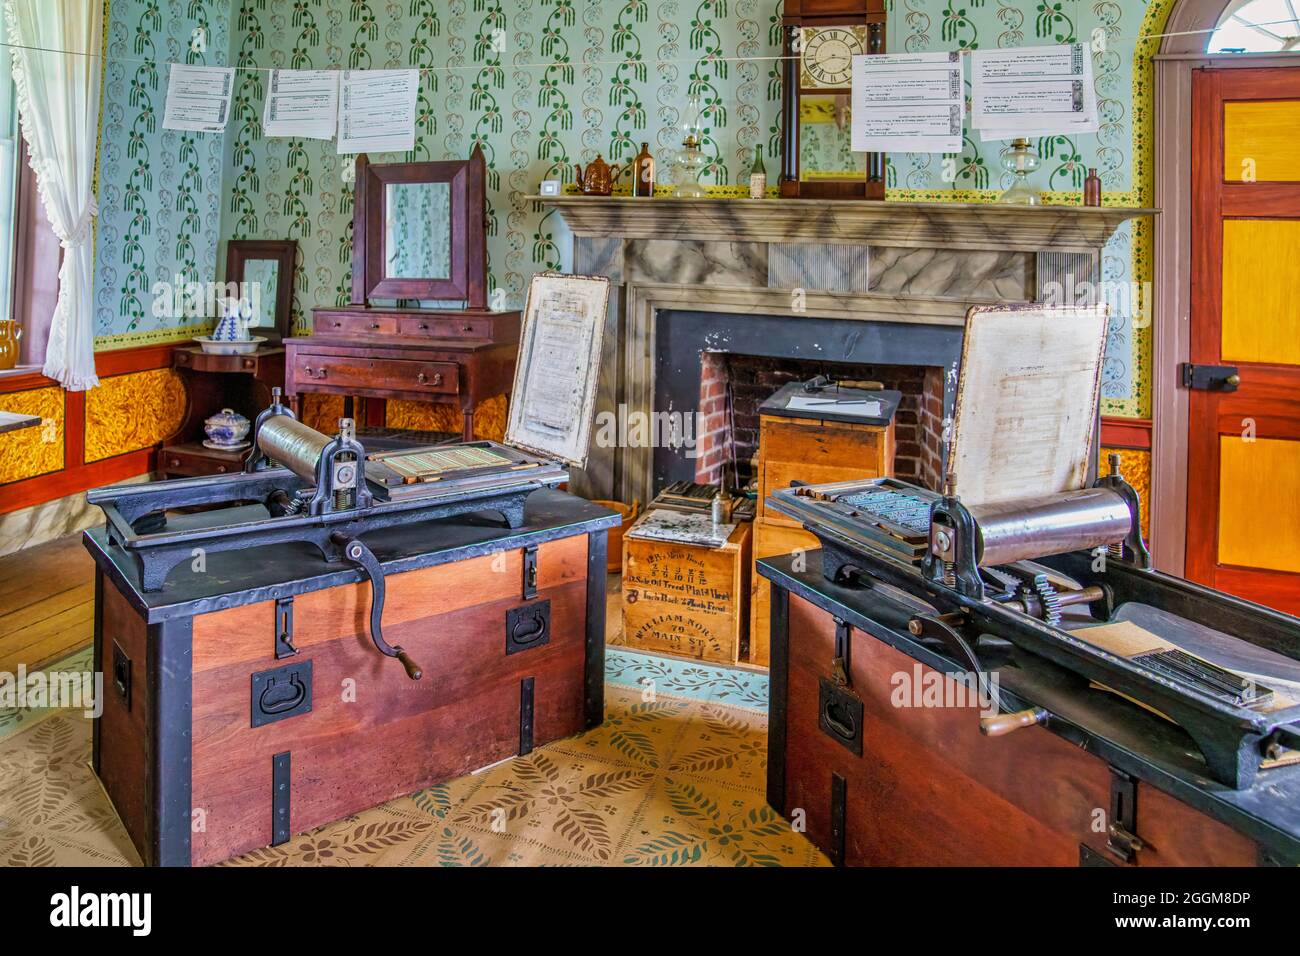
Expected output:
(302, 103)
(1033, 91)
(198, 98)
(858, 408)
(907, 102)
(377, 111)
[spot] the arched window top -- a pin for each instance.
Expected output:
(1257, 26)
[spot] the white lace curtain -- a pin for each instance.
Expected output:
(58, 107)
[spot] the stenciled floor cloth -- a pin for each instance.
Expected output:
(675, 776)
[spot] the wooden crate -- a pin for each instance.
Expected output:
(815, 451)
(686, 599)
(770, 540)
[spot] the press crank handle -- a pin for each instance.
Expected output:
(357, 553)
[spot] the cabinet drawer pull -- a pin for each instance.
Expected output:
(425, 380)
(424, 326)
(374, 325)
(314, 372)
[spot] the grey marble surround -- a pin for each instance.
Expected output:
(818, 265)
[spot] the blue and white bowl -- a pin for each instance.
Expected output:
(226, 428)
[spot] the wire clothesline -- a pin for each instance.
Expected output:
(548, 64)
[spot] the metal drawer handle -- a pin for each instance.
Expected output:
(424, 326)
(424, 379)
(529, 630)
(314, 373)
(374, 325)
(846, 728)
(279, 698)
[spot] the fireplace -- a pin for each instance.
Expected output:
(715, 369)
(733, 386)
(870, 290)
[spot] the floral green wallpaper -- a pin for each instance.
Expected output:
(160, 191)
(544, 84)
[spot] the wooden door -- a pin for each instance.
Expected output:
(1243, 465)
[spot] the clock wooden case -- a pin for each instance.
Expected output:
(821, 37)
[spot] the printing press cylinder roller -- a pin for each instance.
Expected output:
(1031, 528)
(296, 446)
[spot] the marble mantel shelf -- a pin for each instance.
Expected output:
(914, 225)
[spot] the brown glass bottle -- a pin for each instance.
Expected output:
(643, 173)
(1092, 189)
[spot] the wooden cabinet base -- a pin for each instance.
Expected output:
(210, 745)
(770, 540)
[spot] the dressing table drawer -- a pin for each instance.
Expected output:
(340, 323)
(448, 327)
(406, 375)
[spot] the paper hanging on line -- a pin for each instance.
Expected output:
(377, 111)
(907, 103)
(198, 98)
(1033, 91)
(302, 103)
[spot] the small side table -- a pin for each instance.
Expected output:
(213, 382)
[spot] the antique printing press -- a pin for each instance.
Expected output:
(1024, 566)
(233, 618)
(325, 492)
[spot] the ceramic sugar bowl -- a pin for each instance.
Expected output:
(226, 429)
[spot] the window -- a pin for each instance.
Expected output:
(1257, 26)
(29, 251)
(9, 158)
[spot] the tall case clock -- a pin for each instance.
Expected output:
(821, 37)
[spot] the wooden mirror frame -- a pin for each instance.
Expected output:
(284, 251)
(468, 278)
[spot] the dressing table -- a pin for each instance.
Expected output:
(418, 235)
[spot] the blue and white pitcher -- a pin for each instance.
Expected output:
(236, 319)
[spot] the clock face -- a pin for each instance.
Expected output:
(828, 55)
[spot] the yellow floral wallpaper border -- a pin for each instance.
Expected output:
(133, 411)
(33, 451)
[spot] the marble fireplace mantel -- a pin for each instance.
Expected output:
(912, 225)
(892, 266)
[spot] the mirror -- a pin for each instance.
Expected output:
(261, 276)
(417, 230)
(264, 271)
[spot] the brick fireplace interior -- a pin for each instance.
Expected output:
(734, 385)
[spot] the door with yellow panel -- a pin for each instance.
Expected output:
(1243, 463)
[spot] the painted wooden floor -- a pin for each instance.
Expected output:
(47, 603)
